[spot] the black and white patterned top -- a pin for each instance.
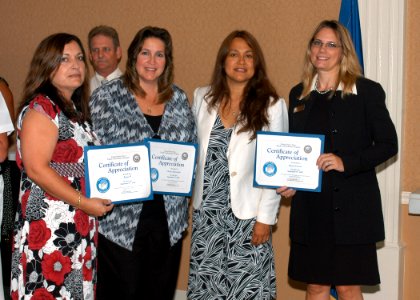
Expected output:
(117, 119)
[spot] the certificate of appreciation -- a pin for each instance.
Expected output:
(118, 172)
(172, 166)
(286, 159)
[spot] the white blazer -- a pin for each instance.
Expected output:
(247, 201)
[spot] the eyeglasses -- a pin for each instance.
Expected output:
(328, 45)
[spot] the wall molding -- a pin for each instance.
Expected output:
(383, 38)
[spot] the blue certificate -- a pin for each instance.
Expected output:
(118, 172)
(172, 166)
(286, 159)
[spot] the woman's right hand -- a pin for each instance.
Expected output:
(96, 207)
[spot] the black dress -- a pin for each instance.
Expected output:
(321, 260)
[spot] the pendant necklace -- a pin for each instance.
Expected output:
(149, 106)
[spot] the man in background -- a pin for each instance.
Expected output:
(104, 54)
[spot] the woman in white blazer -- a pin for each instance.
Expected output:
(231, 251)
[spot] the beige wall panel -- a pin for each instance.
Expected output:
(411, 142)
(197, 27)
(410, 225)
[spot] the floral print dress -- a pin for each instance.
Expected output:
(54, 245)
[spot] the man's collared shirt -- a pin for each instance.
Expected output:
(97, 80)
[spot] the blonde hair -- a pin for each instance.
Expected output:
(350, 68)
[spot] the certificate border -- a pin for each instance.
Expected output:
(319, 136)
(195, 145)
(87, 180)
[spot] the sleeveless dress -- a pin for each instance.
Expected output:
(54, 244)
(224, 264)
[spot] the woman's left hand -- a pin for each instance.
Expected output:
(329, 161)
(261, 233)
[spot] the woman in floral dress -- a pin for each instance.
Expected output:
(54, 246)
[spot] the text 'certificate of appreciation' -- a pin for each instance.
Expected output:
(120, 173)
(288, 159)
(172, 166)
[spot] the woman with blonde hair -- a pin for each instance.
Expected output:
(334, 233)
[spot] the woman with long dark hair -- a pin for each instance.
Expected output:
(231, 252)
(54, 243)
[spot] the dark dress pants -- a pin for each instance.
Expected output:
(150, 271)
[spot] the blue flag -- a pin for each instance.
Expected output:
(349, 17)
(333, 294)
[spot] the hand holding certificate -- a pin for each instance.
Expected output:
(283, 159)
(118, 172)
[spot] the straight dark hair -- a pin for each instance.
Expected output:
(258, 95)
(131, 77)
(44, 64)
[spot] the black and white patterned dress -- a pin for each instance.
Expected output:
(224, 264)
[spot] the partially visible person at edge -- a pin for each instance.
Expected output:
(8, 97)
(141, 242)
(104, 54)
(7, 113)
(334, 233)
(9, 205)
(54, 243)
(6, 128)
(231, 248)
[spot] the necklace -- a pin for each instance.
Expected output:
(321, 92)
(147, 106)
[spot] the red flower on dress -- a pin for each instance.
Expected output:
(42, 294)
(39, 234)
(24, 202)
(45, 105)
(55, 266)
(87, 265)
(67, 152)
(14, 295)
(81, 219)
